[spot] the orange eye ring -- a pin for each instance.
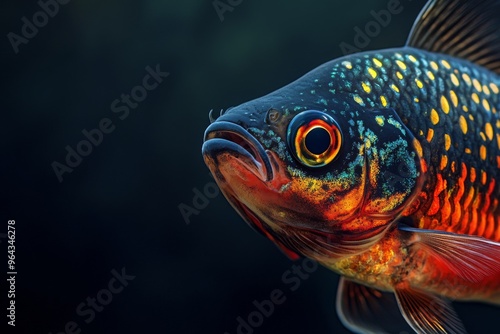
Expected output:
(315, 138)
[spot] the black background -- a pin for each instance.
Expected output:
(119, 207)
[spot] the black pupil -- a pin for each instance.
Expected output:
(317, 141)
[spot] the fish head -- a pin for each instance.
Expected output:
(324, 171)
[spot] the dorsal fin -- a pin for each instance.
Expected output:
(461, 28)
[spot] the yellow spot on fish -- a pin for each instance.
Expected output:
(498, 141)
(497, 124)
(445, 105)
(464, 108)
(486, 104)
(484, 177)
(483, 136)
(377, 62)
(380, 120)
(454, 98)
(419, 83)
(401, 64)
(372, 72)
(463, 124)
(475, 98)
(466, 78)
(494, 88)
(412, 59)
(416, 99)
(383, 100)
(486, 90)
(359, 100)
(454, 80)
(445, 64)
(418, 147)
(430, 75)
(477, 85)
(366, 87)
(399, 75)
(434, 65)
(347, 65)
(444, 162)
(488, 128)
(434, 117)
(482, 152)
(395, 88)
(471, 117)
(430, 135)
(447, 141)
(467, 150)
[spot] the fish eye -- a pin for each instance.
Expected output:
(314, 138)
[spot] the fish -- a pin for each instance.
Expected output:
(383, 166)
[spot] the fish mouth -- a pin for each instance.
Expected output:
(223, 137)
(227, 137)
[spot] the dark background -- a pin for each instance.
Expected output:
(119, 207)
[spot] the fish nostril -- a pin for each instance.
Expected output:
(273, 116)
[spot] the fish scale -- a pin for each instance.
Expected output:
(383, 166)
(451, 107)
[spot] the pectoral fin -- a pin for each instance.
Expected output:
(428, 314)
(469, 257)
(366, 310)
(328, 245)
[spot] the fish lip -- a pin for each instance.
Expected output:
(223, 136)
